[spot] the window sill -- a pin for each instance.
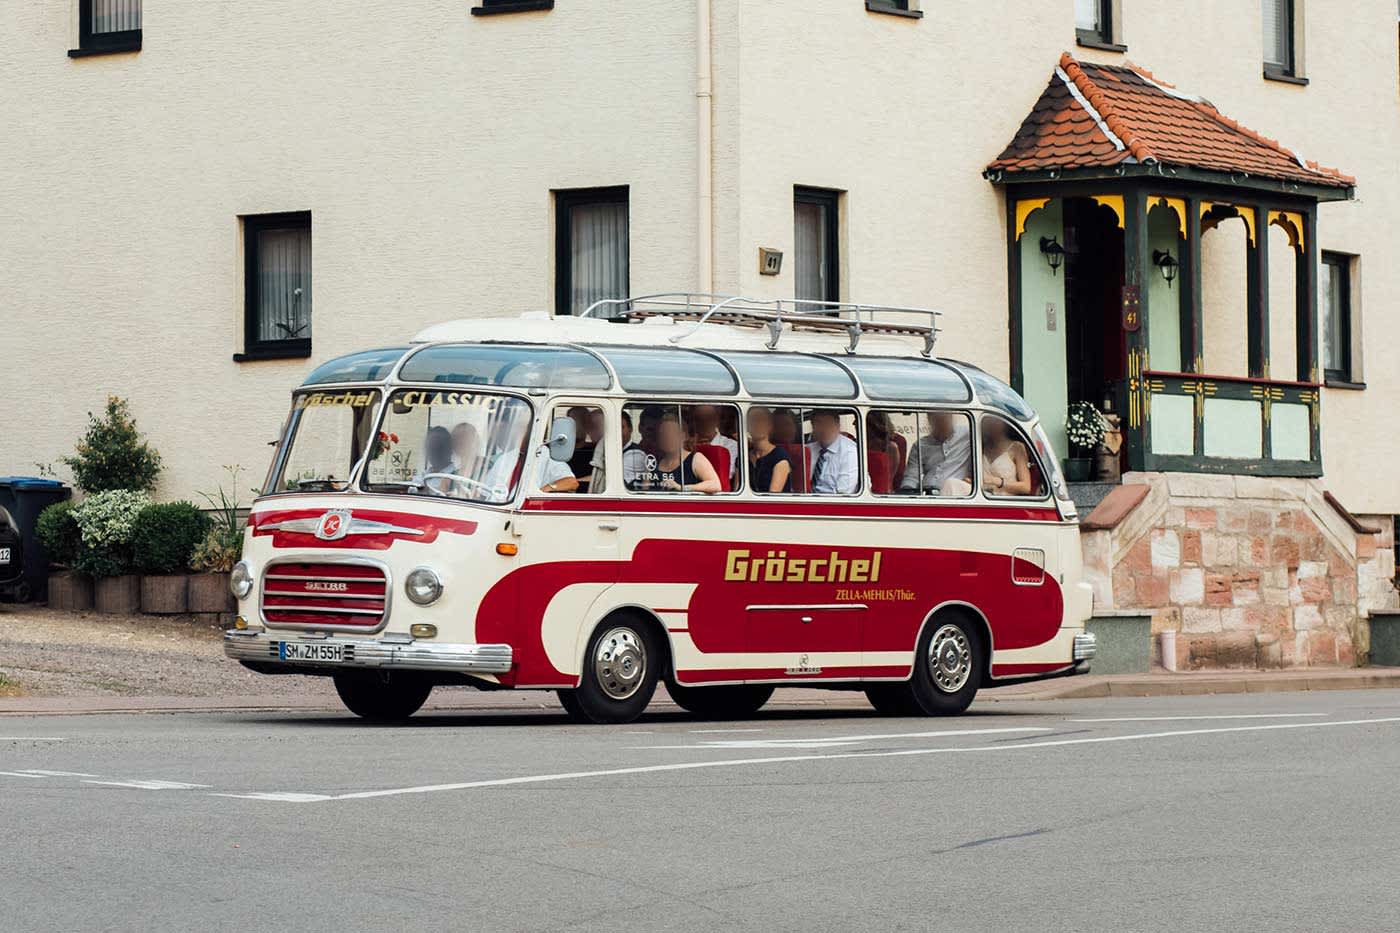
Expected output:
(1332, 383)
(878, 6)
(133, 46)
(513, 6)
(1277, 74)
(299, 352)
(1093, 40)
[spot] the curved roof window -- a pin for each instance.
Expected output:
(365, 366)
(993, 392)
(641, 369)
(908, 380)
(792, 375)
(501, 364)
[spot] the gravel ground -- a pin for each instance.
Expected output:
(81, 654)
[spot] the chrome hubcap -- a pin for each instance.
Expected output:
(949, 659)
(620, 662)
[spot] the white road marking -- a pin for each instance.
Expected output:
(1226, 716)
(281, 798)
(19, 774)
(151, 785)
(835, 741)
(718, 731)
(39, 773)
(745, 762)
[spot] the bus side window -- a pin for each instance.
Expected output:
(829, 454)
(1009, 467)
(589, 432)
(669, 448)
(922, 453)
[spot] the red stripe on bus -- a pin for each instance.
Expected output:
(795, 509)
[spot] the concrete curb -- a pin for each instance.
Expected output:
(1070, 688)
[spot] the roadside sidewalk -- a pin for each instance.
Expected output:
(506, 701)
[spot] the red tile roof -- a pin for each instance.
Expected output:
(1098, 116)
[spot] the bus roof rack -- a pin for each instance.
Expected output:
(849, 318)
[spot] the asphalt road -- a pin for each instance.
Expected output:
(1274, 812)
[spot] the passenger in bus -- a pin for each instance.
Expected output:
(705, 421)
(943, 454)
(466, 455)
(879, 441)
(634, 459)
(437, 458)
(770, 467)
(787, 427)
(584, 442)
(1006, 469)
(833, 455)
(675, 470)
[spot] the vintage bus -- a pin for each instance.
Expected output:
(726, 495)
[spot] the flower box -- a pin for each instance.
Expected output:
(165, 594)
(208, 592)
(117, 595)
(70, 592)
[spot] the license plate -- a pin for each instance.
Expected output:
(309, 651)
(4, 555)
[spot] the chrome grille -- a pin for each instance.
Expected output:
(323, 594)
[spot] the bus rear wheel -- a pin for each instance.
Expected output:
(619, 674)
(382, 696)
(948, 667)
(730, 701)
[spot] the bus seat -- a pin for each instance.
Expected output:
(801, 467)
(719, 459)
(879, 463)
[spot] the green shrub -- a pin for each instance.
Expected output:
(222, 547)
(106, 521)
(165, 535)
(58, 533)
(112, 454)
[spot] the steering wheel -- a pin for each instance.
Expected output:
(464, 480)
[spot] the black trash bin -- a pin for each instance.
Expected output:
(24, 575)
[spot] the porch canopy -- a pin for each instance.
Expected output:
(1134, 188)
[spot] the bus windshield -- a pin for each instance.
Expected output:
(458, 445)
(326, 436)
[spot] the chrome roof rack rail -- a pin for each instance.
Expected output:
(853, 320)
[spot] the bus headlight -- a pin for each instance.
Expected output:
(240, 581)
(422, 586)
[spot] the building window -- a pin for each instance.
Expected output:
(591, 248)
(816, 237)
(1281, 58)
(277, 286)
(492, 7)
(896, 7)
(107, 26)
(1335, 293)
(1094, 24)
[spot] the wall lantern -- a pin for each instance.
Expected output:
(1054, 253)
(1166, 264)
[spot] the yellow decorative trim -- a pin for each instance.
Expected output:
(1292, 224)
(1025, 209)
(1250, 218)
(1113, 202)
(1176, 204)
(1246, 214)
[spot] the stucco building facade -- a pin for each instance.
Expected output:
(383, 167)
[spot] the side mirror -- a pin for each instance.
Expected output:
(563, 434)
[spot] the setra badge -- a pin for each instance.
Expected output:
(334, 525)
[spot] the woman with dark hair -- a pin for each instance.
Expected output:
(770, 467)
(676, 470)
(787, 429)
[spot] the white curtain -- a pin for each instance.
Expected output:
(116, 15)
(284, 284)
(1331, 317)
(1086, 14)
(599, 251)
(810, 261)
(1277, 29)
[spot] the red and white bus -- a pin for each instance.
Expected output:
(726, 495)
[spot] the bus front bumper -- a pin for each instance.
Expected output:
(266, 649)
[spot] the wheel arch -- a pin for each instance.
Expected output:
(970, 613)
(638, 613)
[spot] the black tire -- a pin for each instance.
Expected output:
(892, 700)
(620, 671)
(729, 701)
(382, 696)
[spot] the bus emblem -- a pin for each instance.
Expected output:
(333, 526)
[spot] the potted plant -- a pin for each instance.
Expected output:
(215, 555)
(163, 541)
(58, 533)
(106, 521)
(1084, 428)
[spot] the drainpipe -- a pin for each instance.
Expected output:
(704, 130)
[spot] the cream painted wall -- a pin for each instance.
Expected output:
(1044, 364)
(425, 142)
(1224, 299)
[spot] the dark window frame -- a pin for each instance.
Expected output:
(829, 200)
(1103, 36)
(1288, 71)
(255, 348)
(101, 43)
(565, 200)
(894, 8)
(1341, 264)
(496, 7)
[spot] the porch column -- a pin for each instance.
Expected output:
(1258, 296)
(1137, 262)
(1306, 285)
(1192, 348)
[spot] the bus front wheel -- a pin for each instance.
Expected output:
(731, 701)
(619, 674)
(948, 667)
(382, 697)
